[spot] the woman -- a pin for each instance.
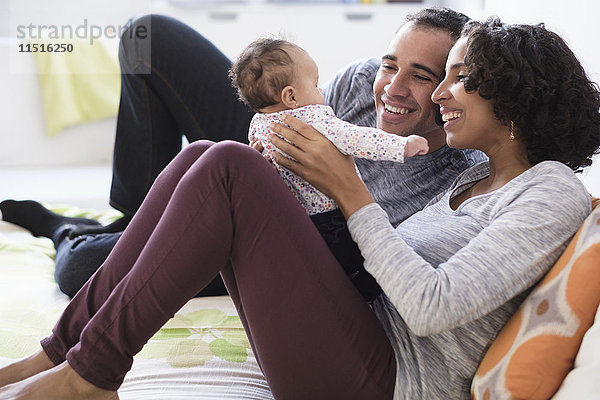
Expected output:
(452, 274)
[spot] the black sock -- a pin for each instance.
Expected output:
(36, 218)
(84, 229)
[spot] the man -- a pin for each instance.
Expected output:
(188, 92)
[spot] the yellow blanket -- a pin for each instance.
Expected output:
(78, 86)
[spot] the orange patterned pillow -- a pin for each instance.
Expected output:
(534, 352)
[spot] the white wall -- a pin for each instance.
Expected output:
(333, 46)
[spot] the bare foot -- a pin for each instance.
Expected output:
(25, 368)
(58, 383)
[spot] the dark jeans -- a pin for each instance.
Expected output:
(223, 208)
(77, 259)
(188, 92)
(333, 228)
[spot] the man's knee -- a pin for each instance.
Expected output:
(136, 44)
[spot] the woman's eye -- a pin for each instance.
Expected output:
(460, 78)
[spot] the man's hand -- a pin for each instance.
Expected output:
(318, 161)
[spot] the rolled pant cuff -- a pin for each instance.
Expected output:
(54, 348)
(87, 373)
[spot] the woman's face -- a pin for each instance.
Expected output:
(469, 119)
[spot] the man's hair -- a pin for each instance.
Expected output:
(534, 80)
(262, 70)
(444, 19)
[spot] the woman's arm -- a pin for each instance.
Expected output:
(524, 232)
(318, 161)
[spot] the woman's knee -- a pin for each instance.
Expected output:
(187, 157)
(235, 156)
(232, 150)
(197, 148)
(224, 160)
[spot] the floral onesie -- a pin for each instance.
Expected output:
(358, 141)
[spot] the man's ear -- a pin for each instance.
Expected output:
(288, 97)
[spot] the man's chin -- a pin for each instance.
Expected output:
(396, 129)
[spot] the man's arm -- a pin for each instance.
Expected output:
(350, 93)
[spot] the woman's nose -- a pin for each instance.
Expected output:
(439, 94)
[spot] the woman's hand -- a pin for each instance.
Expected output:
(318, 161)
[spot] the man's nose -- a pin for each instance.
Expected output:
(398, 86)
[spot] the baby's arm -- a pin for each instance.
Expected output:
(370, 143)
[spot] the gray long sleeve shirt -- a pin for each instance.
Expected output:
(449, 293)
(452, 278)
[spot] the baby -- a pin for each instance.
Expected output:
(275, 76)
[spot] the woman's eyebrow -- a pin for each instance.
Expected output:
(458, 65)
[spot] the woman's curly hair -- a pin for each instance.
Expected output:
(535, 80)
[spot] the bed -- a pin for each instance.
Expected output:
(201, 353)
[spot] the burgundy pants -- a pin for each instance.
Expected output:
(222, 208)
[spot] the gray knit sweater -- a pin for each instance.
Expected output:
(453, 278)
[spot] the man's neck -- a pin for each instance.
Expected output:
(436, 139)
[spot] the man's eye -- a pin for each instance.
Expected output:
(423, 78)
(387, 67)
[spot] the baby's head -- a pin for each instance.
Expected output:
(274, 74)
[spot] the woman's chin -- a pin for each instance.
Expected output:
(452, 142)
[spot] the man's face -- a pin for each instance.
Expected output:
(409, 73)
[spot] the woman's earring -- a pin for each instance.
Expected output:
(512, 131)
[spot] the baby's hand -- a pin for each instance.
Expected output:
(257, 145)
(415, 146)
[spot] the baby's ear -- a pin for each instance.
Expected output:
(288, 97)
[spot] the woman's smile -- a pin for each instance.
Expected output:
(450, 117)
